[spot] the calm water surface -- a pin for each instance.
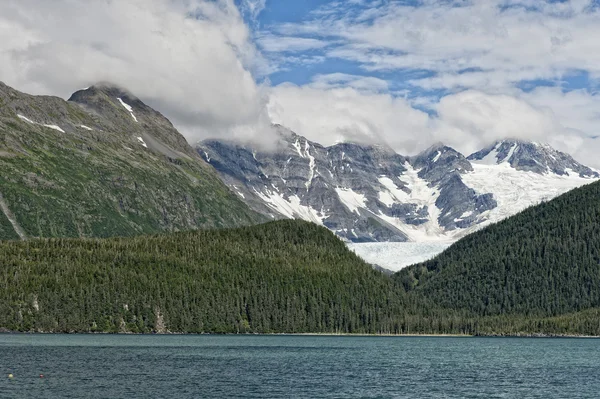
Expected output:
(92, 366)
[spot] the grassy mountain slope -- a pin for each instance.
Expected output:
(87, 168)
(543, 262)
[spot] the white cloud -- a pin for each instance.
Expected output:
(331, 115)
(190, 59)
(253, 7)
(579, 112)
(577, 109)
(466, 121)
(472, 119)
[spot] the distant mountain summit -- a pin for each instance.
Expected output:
(532, 157)
(367, 193)
(120, 110)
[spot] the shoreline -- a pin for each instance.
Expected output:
(519, 335)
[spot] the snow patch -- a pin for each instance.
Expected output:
(437, 156)
(54, 127)
(291, 207)
(463, 216)
(85, 127)
(26, 119)
(311, 165)
(510, 153)
(297, 147)
(393, 193)
(491, 158)
(141, 140)
(352, 200)
(128, 108)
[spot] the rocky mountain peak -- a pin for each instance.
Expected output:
(530, 156)
(107, 98)
(118, 108)
(440, 161)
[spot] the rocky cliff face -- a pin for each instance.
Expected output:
(102, 164)
(370, 193)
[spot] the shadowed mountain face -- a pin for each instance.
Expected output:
(102, 164)
(367, 193)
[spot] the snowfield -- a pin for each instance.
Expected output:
(395, 256)
(513, 190)
(516, 190)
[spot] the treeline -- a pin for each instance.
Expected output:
(286, 276)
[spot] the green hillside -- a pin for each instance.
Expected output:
(543, 262)
(87, 168)
(286, 276)
(282, 277)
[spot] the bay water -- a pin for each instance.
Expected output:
(281, 366)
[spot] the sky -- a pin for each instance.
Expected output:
(406, 73)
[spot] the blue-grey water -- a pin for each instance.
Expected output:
(116, 366)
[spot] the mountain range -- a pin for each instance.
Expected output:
(370, 193)
(105, 164)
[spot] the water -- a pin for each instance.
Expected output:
(109, 366)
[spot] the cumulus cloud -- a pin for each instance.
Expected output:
(191, 59)
(340, 114)
(472, 119)
(466, 121)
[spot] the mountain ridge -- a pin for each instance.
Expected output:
(369, 193)
(98, 166)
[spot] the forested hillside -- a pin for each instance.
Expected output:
(542, 262)
(286, 276)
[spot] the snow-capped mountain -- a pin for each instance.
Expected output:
(369, 193)
(531, 157)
